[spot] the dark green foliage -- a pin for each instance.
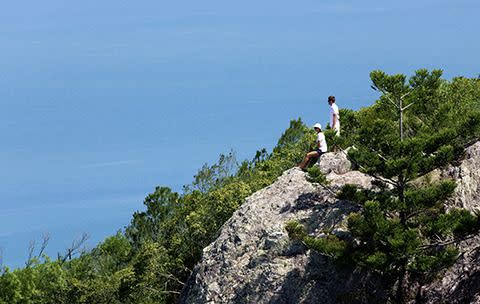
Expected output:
(296, 231)
(294, 134)
(330, 245)
(404, 234)
(354, 194)
(350, 123)
(315, 175)
(153, 224)
(458, 222)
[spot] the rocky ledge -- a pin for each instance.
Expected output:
(254, 261)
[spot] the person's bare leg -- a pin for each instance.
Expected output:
(307, 159)
(304, 162)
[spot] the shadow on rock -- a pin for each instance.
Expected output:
(322, 281)
(303, 202)
(323, 213)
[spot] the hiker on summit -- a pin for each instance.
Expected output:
(334, 115)
(321, 147)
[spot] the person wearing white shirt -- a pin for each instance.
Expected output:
(321, 147)
(334, 115)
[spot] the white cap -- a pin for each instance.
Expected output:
(317, 125)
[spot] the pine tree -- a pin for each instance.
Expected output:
(403, 230)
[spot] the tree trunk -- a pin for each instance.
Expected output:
(400, 296)
(400, 292)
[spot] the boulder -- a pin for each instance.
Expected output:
(336, 162)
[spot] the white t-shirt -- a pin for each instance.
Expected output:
(322, 141)
(334, 110)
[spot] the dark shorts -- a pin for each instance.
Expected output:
(319, 152)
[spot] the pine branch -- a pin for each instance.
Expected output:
(171, 277)
(383, 179)
(443, 243)
(162, 291)
(74, 248)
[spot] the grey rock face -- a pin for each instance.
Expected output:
(461, 283)
(467, 175)
(253, 260)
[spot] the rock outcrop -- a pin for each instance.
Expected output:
(254, 261)
(467, 175)
(461, 283)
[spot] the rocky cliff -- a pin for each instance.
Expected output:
(253, 260)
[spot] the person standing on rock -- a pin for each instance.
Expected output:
(321, 147)
(334, 115)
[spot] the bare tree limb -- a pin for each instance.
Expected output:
(383, 179)
(406, 94)
(31, 249)
(74, 248)
(45, 240)
(389, 99)
(406, 107)
(162, 291)
(170, 276)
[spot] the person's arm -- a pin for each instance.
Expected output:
(321, 141)
(334, 120)
(318, 142)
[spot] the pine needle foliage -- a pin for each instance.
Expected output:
(315, 175)
(330, 245)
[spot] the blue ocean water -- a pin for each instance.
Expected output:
(101, 102)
